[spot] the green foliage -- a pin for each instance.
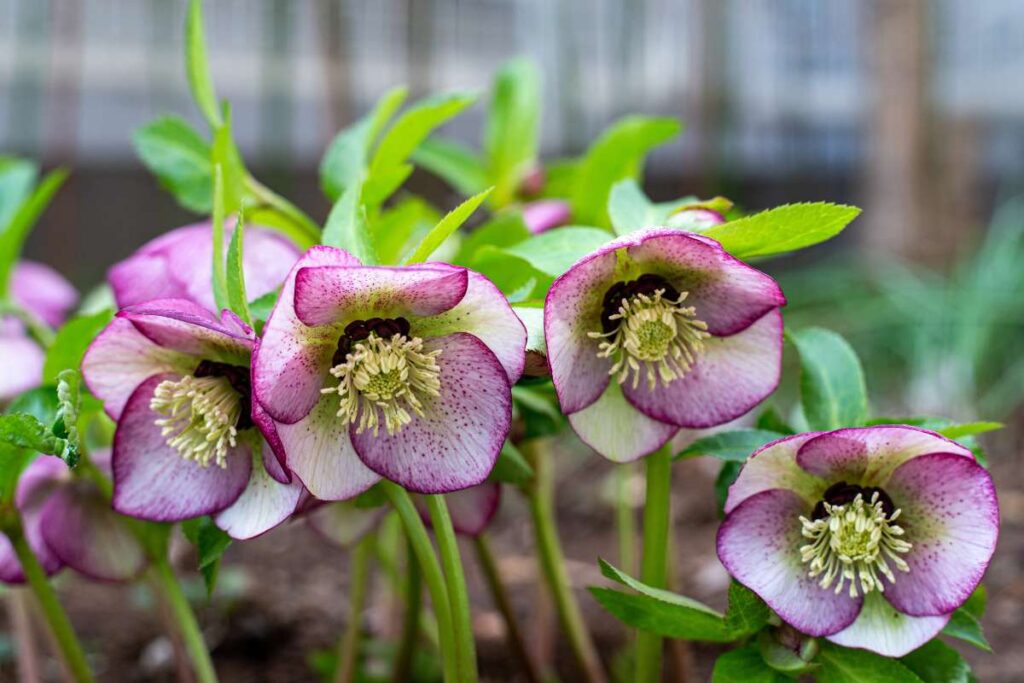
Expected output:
(453, 162)
(726, 476)
(22, 431)
(197, 66)
(71, 342)
(966, 626)
(629, 209)
(511, 134)
(843, 665)
(735, 446)
(747, 613)
(17, 177)
(346, 225)
(745, 665)
(511, 467)
(210, 543)
(220, 277)
(180, 159)
(235, 275)
(936, 662)
(446, 227)
(23, 218)
(618, 154)
(553, 251)
(783, 229)
(832, 388)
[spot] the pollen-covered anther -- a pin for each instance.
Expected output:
(384, 381)
(201, 416)
(652, 336)
(854, 542)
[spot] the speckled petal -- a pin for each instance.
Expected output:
(325, 295)
(456, 442)
(186, 327)
(292, 361)
(617, 430)
(151, 479)
(773, 466)
(951, 517)
(882, 629)
(730, 376)
(869, 455)
(263, 505)
(274, 457)
(759, 544)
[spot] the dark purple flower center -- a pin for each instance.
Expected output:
(844, 494)
(239, 379)
(358, 330)
(646, 284)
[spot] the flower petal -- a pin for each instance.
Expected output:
(275, 460)
(455, 444)
(263, 505)
(951, 517)
(321, 455)
(120, 358)
(773, 466)
(292, 360)
(544, 214)
(485, 313)
(37, 482)
(617, 430)
(151, 479)
(730, 376)
(43, 291)
(343, 523)
(22, 367)
(87, 535)
(869, 455)
(882, 629)
(759, 544)
(471, 509)
(325, 295)
(728, 294)
(183, 326)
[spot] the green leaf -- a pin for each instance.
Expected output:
(514, 276)
(180, 159)
(13, 237)
(399, 228)
(747, 613)
(735, 445)
(537, 406)
(13, 462)
(976, 602)
(235, 274)
(446, 227)
(629, 209)
(346, 226)
(71, 342)
(17, 177)
(745, 665)
(936, 662)
(959, 431)
(553, 251)
(782, 657)
(260, 308)
(225, 153)
(619, 153)
(453, 162)
(65, 425)
(726, 476)
(197, 66)
(511, 131)
(20, 430)
(503, 230)
(347, 156)
(783, 229)
(219, 278)
(842, 665)
(210, 543)
(832, 389)
(511, 467)
(966, 627)
(770, 420)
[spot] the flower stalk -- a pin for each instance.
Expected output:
(167, 583)
(654, 564)
(359, 577)
(411, 619)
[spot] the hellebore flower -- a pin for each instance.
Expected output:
(68, 522)
(41, 291)
(544, 214)
(871, 537)
(658, 330)
(400, 372)
(190, 441)
(179, 265)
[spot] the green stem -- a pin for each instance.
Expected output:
(462, 618)
(552, 561)
(654, 565)
(40, 332)
(306, 232)
(402, 670)
(432, 574)
(169, 587)
(359, 574)
(625, 517)
(504, 604)
(56, 618)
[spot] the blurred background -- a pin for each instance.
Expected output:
(913, 110)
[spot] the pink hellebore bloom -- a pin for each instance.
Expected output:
(68, 522)
(544, 214)
(41, 291)
(190, 440)
(179, 265)
(871, 537)
(658, 330)
(396, 372)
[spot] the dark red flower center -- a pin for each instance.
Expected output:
(646, 284)
(239, 379)
(844, 494)
(358, 330)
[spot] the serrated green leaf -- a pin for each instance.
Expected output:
(747, 613)
(346, 226)
(511, 131)
(966, 627)
(661, 617)
(842, 665)
(783, 229)
(210, 542)
(745, 665)
(20, 430)
(197, 67)
(736, 445)
(936, 662)
(71, 343)
(446, 227)
(235, 273)
(511, 467)
(17, 177)
(553, 251)
(619, 153)
(13, 237)
(453, 162)
(832, 389)
(180, 159)
(958, 431)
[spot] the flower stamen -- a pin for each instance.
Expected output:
(202, 417)
(854, 542)
(382, 379)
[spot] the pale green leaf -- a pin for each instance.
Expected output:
(832, 389)
(180, 159)
(346, 226)
(553, 251)
(783, 229)
(446, 227)
(71, 343)
(235, 273)
(13, 237)
(511, 131)
(197, 67)
(17, 177)
(454, 163)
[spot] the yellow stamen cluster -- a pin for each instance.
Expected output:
(854, 542)
(654, 337)
(382, 380)
(201, 414)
